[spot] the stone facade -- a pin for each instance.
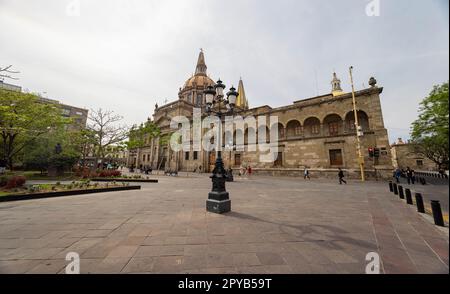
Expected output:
(404, 155)
(318, 133)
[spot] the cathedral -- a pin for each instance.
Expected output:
(317, 133)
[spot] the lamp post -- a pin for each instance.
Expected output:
(218, 199)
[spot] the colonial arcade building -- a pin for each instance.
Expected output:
(318, 133)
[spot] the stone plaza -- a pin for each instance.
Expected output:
(277, 225)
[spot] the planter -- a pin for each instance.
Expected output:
(30, 196)
(123, 180)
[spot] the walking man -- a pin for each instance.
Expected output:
(306, 174)
(409, 175)
(397, 174)
(341, 177)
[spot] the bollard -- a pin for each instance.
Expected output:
(391, 187)
(395, 189)
(400, 192)
(437, 213)
(408, 197)
(419, 203)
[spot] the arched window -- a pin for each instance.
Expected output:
(333, 125)
(293, 129)
(263, 134)
(250, 136)
(239, 138)
(280, 129)
(312, 127)
(363, 121)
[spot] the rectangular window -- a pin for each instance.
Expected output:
(279, 161)
(336, 157)
(315, 129)
(148, 157)
(298, 130)
(186, 156)
(237, 160)
(333, 128)
(419, 162)
(143, 157)
(195, 155)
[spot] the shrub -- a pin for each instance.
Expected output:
(15, 182)
(110, 173)
(3, 181)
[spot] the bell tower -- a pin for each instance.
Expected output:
(336, 89)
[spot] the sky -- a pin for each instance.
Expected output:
(127, 55)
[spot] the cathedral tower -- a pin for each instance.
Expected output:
(336, 89)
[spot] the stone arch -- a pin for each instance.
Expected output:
(238, 133)
(260, 137)
(363, 120)
(279, 127)
(333, 125)
(311, 127)
(293, 129)
(228, 138)
(250, 136)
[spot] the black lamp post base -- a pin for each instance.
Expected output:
(219, 207)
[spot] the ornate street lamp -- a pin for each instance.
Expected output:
(218, 199)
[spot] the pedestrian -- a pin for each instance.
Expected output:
(306, 174)
(341, 177)
(249, 171)
(397, 175)
(409, 175)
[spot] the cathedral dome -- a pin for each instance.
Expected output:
(199, 81)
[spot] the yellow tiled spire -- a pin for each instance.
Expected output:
(241, 100)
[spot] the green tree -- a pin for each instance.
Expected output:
(41, 154)
(24, 119)
(137, 136)
(105, 130)
(430, 131)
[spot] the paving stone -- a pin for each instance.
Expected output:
(139, 265)
(268, 258)
(277, 225)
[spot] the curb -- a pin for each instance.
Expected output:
(20, 197)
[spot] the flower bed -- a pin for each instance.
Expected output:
(11, 182)
(56, 190)
(87, 173)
